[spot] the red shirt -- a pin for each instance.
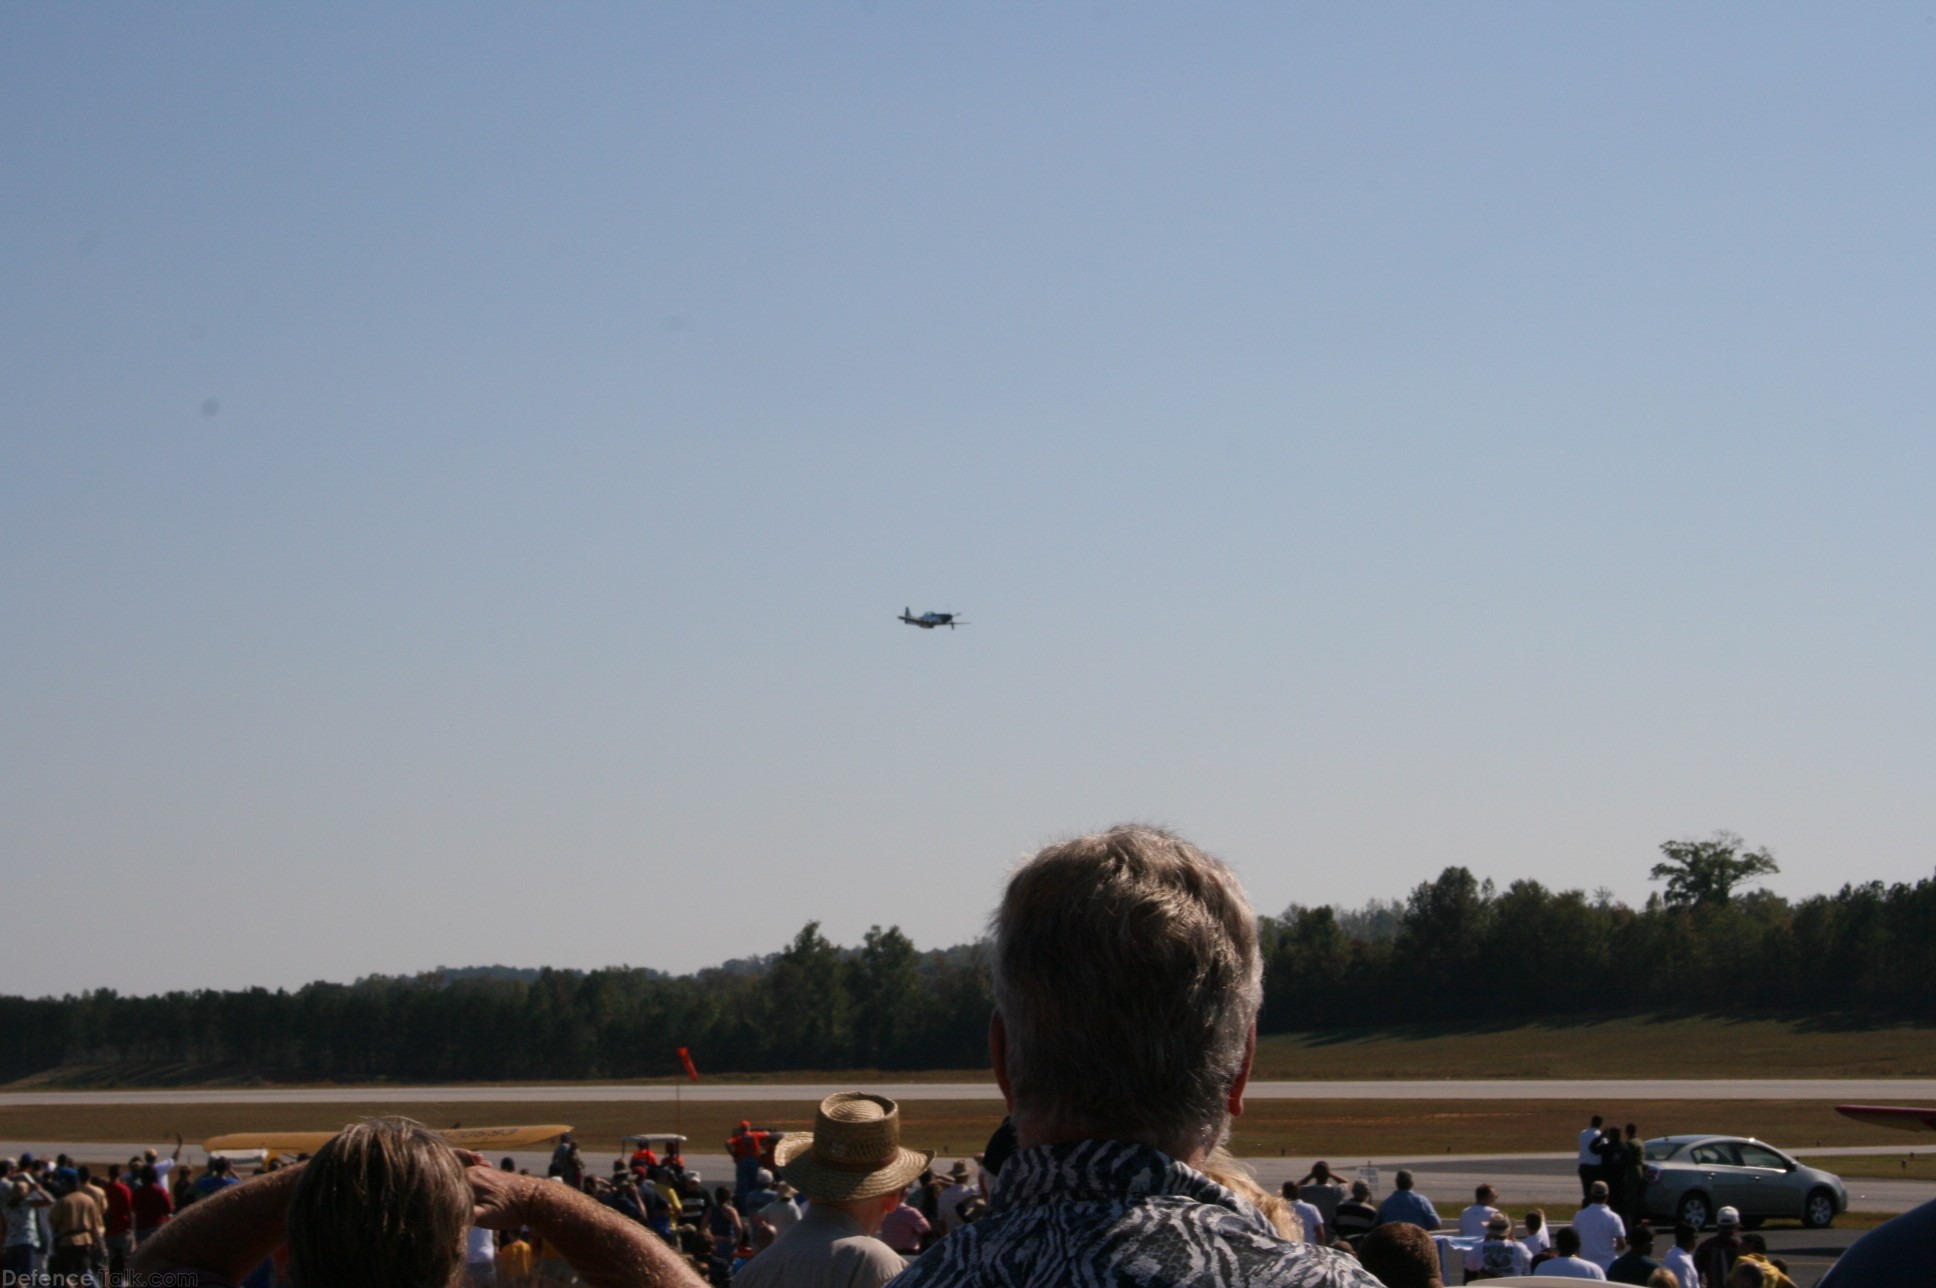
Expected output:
(747, 1144)
(120, 1207)
(152, 1207)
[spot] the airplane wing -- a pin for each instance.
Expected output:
(481, 1139)
(1901, 1117)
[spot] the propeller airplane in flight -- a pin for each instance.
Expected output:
(928, 621)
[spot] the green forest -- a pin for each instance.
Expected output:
(1457, 948)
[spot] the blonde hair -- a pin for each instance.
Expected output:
(383, 1204)
(1127, 977)
(1234, 1176)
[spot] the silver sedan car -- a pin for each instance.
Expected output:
(1691, 1178)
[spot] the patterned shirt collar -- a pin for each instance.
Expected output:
(1090, 1171)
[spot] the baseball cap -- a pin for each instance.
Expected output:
(1728, 1216)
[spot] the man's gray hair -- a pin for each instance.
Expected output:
(1127, 975)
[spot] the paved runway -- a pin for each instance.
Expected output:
(1922, 1090)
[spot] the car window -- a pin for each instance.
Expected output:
(1761, 1156)
(1716, 1154)
(1659, 1149)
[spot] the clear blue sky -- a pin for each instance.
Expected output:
(461, 464)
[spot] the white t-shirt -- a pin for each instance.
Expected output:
(1568, 1268)
(1681, 1262)
(480, 1247)
(780, 1214)
(1587, 1157)
(1538, 1241)
(1472, 1221)
(950, 1198)
(1498, 1257)
(162, 1167)
(1310, 1216)
(1598, 1226)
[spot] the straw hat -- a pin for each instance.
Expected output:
(854, 1151)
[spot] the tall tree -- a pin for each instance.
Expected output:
(1703, 874)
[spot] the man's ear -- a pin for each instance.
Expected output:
(998, 1057)
(1235, 1102)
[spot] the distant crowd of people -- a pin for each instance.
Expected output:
(1127, 983)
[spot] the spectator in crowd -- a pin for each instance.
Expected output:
(181, 1186)
(723, 1224)
(1715, 1257)
(1474, 1219)
(1636, 1265)
(1539, 1237)
(1752, 1270)
(1680, 1257)
(1307, 1214)
(1324, 1192)
(1629, 1179)
(163, 1166)
(387, 1201)
(1355, 1216)
(514, 1260)
(1663, 1278)
(959, 1191)
(1591, 1164)
(120, 1221)
(79, 1225)
(1497, 1254)
(853, 1168)
(24, 1199)
(1407, 1204)
(1603, 1235)
(154, 1207)
(903, 1228)
(761, 1194)
(1127, 982)
(1402, 1255)
(782, 1212)
(1566, 1261)
(480, 1257)
(219, 1176)
(745, 1145)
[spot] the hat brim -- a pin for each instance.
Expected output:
(793, 1155)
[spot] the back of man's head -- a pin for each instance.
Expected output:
(1404, 1179)
(1686, 1235)
(1641, 1238)
(1566, 1241)
(383, 1205)
(1597, 1192)
(1401, 1255)
(1127, 978)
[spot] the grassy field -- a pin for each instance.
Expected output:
(1623, 1047)
(1628, 1047)
(1341, 1130)
(1919, 1166)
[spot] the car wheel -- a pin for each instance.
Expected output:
(1818, 1210)
(1693, 1209)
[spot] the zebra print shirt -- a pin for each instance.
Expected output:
(1105, 1212)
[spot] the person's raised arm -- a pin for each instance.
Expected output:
(606, 1248)
(228, 1233)
(176, 1156)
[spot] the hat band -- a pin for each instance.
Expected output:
(857, 1167)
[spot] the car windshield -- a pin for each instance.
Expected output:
(1659, 1149)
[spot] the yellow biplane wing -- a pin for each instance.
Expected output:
(481, 1139)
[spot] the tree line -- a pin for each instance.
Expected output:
(1457, 949)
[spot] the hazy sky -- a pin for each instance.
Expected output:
(461, 464)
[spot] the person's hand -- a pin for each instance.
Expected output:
(497, 1198)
